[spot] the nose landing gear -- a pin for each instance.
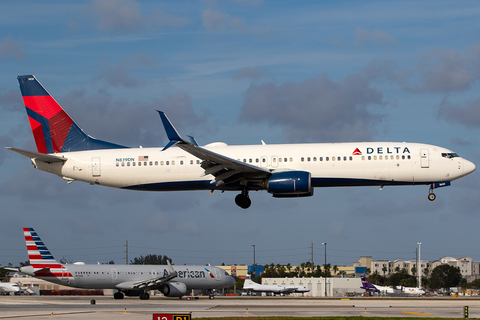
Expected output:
(243, 200)
(431, 195)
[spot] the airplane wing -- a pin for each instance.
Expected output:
(225, 170)
(150, 283)
(40, 156)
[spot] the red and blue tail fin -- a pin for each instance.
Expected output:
(41, 260)
(53, 129)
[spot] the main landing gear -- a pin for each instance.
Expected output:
(144, 296)
(243, 200)
(118, 295)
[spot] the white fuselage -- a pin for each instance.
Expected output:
(330, 164)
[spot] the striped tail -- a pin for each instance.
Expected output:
(41, 260)
(53, 129)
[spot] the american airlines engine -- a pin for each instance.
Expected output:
(283, 170)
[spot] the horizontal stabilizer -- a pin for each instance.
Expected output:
(39, 156)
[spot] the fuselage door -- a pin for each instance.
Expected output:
(96, 167)
(218, 275)
(154, 274)
(114, 274)
(424, 158)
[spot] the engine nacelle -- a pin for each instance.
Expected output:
(290, 184)
(174, 289)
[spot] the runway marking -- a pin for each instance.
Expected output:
(418, 314)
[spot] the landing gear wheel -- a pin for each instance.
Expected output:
(210, 296)
(118, 295)
(243, 200)
(431, 196)
(144, 296)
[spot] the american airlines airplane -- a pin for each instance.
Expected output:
(130, 280)
(283, 170)
(252, 286)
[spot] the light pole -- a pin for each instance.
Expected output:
(325, 267)
(419, 266)
(253, 260)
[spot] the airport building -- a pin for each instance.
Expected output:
(468, 268)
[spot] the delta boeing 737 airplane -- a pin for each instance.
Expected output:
(130, 280)
(283, 170)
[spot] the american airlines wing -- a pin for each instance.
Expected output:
(149, 283)
(225, 170)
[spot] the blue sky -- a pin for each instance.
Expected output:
(241, 72)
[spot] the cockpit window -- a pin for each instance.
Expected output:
(449, 155)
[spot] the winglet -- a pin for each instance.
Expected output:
(172, 133)
(173, 273)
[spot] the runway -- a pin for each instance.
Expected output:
(35, 307)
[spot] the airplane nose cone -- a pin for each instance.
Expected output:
(231, 281)
(468, 167)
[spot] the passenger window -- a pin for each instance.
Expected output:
(302, 159)
(350, 158)
(139, 164)
(344, 158)
(118, 164)
(291, 159)
(308, 159)
(279, 159)
(198, 161)
(398, 157)
(264, 160)
(256, 160)
(123, 164)
(133, 163)
(391, 157)
(369, 157)
(274, 159)
(250, 160)
(403, 157)
(128, 164)
(173, 163)
(380, 158)
(181, 162)
(363, 157)
(167, 163)
(314, 158)
(191, 161)
(150, 163)
(145, 163)
(320, 158)
(333, 158)
(156, 163)
(374, 157)
(326, 158)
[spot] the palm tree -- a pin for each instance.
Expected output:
(384, 269)
(335, 269)
(289, 267)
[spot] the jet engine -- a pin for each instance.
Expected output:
(174, 289)
(290, 184)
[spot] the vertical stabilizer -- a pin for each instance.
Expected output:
(41, 260)
(53, 129)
